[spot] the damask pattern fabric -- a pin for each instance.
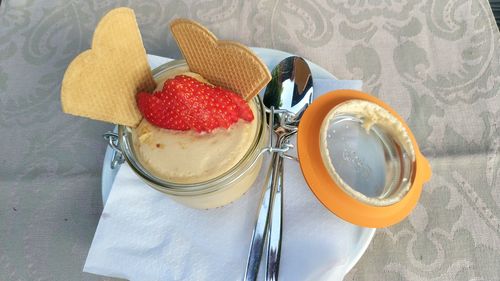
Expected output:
(435, 61)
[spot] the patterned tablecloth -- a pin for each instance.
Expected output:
(436, 62)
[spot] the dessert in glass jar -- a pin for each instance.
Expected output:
(198, 167)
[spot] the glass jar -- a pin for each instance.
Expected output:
(215, 192)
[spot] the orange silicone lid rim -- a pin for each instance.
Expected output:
(324, 187)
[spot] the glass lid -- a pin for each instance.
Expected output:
(360, 159)
(367, 152)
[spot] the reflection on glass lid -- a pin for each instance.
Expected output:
(367, 151)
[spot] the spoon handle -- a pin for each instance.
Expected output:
(261, 224)
(275, 225)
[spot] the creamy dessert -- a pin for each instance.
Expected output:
(203, 142)
(190, 156)
(199, 143)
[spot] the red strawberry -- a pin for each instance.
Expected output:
(163, 113)
(184, 103)
(244, 111)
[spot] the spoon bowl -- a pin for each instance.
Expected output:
(290, 89)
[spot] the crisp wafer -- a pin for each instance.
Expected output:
(101, 83)
(225, 63)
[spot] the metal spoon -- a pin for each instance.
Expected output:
(289, 93)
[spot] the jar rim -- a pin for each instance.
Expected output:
(204, 187)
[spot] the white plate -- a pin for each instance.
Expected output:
(271, 58)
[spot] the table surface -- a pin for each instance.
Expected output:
(435, 62)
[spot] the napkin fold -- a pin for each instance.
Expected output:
(144, 235)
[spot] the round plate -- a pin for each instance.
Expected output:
(271, 58)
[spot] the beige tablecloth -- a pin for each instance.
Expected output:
(436, 62)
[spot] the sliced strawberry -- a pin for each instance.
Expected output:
(184, 103)
(142, 100)
(244, 111)
(163, 113)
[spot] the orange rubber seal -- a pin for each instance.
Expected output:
(325, 188)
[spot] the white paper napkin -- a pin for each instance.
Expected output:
(144, 235)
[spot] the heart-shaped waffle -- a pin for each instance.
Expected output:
(225, 63)
(101, 83)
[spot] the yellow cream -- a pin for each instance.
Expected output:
(190, 157)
